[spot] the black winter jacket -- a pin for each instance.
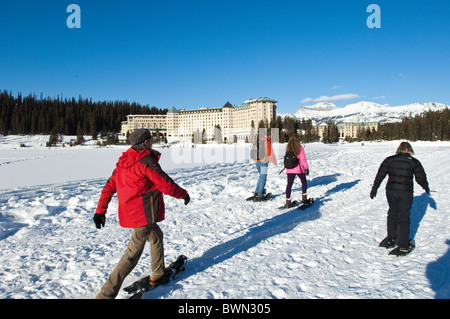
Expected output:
(401, 168)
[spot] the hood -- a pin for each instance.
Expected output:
(131, 157)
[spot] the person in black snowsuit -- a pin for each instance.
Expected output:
(401, 168)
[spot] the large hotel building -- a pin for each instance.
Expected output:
(236, 123)
(349, 128)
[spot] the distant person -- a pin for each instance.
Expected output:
(401, 169)
(140, 184)
(301, 170)
(264, 155)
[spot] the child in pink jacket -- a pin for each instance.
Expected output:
(301, 170)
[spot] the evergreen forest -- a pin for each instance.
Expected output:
(26, 115)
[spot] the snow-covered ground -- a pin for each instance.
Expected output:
(50, 248)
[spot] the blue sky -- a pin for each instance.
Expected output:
(203, 53)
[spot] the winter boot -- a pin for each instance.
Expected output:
(255, 194)
(288, 203)
(387, 243)
(161, 280)
(305, 198)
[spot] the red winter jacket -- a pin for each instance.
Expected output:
(140, 184)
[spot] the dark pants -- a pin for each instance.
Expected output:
(398, 221)
(290, 182)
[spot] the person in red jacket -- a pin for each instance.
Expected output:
(140, 184)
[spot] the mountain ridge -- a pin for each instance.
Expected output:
(362, 111)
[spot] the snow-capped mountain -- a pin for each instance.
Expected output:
(363, 111)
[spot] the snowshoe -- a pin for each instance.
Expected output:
(306, 204)
(289, 204)
(252, 197)
(139, 288)
(255, 196)
(399, 252)
(262, 198)
(387, 243)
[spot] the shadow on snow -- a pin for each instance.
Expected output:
(438, 274)
(418, 210)
(257, 233)
(437, 271)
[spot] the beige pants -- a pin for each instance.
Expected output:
(139, 236)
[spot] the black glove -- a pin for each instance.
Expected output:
(187, 199)
(99, 220)
(307, 172)
(427, 190)
(373, 193)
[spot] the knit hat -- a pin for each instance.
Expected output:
(139, 136)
